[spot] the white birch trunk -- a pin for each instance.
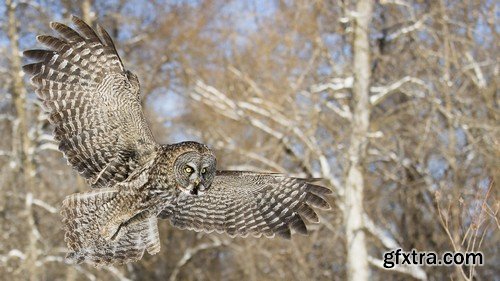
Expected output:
(357, 257)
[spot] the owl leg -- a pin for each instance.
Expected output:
(152, 237)
(112, 228)
(101, 230)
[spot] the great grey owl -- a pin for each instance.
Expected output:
(94, 104)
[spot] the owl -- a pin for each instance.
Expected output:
(94, 105)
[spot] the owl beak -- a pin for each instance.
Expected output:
(197, 187)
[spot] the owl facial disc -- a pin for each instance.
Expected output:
(195, 171)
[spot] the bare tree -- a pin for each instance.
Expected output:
(393, 104)
(22, 143)
(357, 256)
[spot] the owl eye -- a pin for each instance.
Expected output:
(204, 170)
(188, 169)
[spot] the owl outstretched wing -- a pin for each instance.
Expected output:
(242, 203)
(92, 101)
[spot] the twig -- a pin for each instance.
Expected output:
(382, 92)
(14, 253)
(190, 253)
(414, 271)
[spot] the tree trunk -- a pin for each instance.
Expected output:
(87, 15)
(357, 257)
(22, 144)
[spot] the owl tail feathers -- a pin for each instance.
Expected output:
(89, 217)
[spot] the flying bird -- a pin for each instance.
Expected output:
(94, 105)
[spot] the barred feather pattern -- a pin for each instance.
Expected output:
(106, 226)
(92, 101)
(242, 203)
(94, 105)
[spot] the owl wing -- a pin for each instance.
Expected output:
(93, 102)
(83, 218)
(242, 203)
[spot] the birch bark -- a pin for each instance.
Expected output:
(357, 257)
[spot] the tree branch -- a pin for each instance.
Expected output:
(335, 84)
(191, 252)
(382, 92)
(414, 271)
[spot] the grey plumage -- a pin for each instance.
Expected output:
(94, 104)
(242, 203)
(84, 86)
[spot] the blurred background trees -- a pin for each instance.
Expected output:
(394, 106)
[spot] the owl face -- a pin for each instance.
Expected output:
(194, 172)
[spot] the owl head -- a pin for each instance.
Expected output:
(194, 168)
